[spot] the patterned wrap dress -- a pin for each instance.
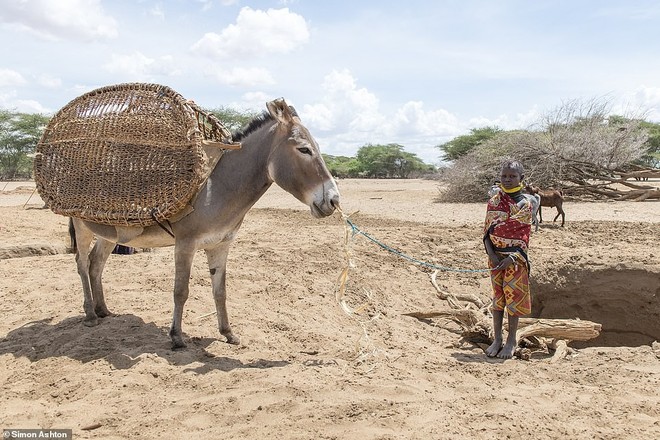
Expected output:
(508, 228)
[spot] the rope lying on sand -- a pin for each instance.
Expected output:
(358, 231)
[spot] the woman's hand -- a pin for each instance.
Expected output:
(505, 262)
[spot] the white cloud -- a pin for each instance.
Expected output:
(413, 119)
(256, 32)
(140, 67)
(157, 11)
(31, 106)
(344, 106)
(9, 101)
(250, 102)
(11, 78)
(48, 81)
(255, 100)
(349, 116)
(81, 89)
(646, 100)
(62, 19)
(503, 121)
(318, 116)
(241, 76)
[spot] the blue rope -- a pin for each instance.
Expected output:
(357, 231)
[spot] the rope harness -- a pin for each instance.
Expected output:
(358, 231)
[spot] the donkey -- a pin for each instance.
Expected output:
(276, 147)
(549, 198)
(535, 201)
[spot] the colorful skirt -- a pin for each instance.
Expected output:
(511, 289)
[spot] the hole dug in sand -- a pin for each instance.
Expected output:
(625, 301)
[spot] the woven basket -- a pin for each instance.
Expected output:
(128, 155)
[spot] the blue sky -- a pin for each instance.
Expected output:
(417, 73)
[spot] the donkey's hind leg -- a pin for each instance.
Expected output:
(217, 259)
(82, 240)
(90, 265)
(98, 257)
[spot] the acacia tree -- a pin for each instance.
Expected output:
(462, 145)
(232, 118)
(342, 166)
(389, 161)
(571, 147)
(652, 156)
(19, 135)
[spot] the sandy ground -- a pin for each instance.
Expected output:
(305, 368)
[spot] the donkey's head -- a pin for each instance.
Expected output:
(296, 164)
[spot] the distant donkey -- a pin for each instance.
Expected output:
(549, 198)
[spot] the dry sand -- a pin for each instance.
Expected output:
(307, 370)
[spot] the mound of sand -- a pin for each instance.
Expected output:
(306, 369)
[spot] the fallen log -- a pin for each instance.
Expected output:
(477, 325)
(642, 174)
(560, 329)
(453, 299)
(466, 318)
(564, 329)
(561, 350)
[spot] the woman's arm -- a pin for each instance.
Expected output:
(492, 255)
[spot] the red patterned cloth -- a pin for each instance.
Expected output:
(508, 227)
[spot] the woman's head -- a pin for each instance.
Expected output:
(512, 174)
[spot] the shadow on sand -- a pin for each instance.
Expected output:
(120, 340)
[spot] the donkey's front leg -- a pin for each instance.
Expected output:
(183, 258)
(217, 258)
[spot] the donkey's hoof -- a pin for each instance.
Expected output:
(233, 339)
(91, 322)
(178, 344)
(103, 313)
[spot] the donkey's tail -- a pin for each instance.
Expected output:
(72, 236)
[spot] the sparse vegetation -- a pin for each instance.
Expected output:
(578, 148)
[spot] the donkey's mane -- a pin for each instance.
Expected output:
(251, 126)
(255, 124)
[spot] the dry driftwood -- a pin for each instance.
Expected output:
(641, 194)
(476, 324)
(566, 329)
(641, 174)
(595, 181)
(561, 350)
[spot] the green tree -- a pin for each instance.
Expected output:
(462, 145)
(573, 146)
(233, 119)
(652, 156)
(389, 161)
(19, 135)
(342, 166)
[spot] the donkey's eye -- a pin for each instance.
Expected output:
(305, 150)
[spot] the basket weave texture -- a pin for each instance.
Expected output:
(126, 155)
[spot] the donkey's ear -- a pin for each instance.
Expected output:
(280, 110)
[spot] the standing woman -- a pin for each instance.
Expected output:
(506, 238)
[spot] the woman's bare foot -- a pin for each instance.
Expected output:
(494, 348)
(507, 351)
